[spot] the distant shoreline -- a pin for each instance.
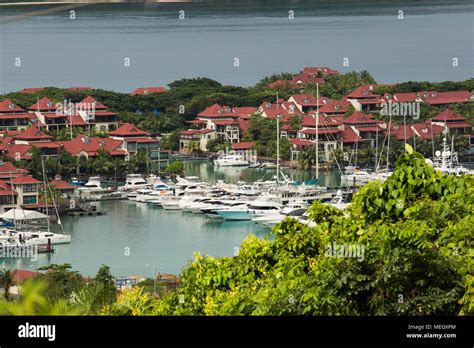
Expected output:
(92, 2)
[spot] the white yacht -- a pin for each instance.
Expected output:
(140, 195)
(134, 182)
(447, 162)
(36, 238)
(354, 176)
(92, 187)
(231, 161)
(254, 209)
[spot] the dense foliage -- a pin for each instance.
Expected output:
(416, 230)
(407, 247)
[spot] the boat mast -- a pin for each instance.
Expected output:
(13, 198)
(376, 148)
(278, 140)
(70, 119)
(388, 137)
(45, 193)
(317, 131)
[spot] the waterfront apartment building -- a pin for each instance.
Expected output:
(88, 114)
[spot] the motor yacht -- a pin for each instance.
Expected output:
(231, 161)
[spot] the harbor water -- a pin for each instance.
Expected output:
(136, 239)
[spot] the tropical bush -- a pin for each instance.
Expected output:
(404, 247)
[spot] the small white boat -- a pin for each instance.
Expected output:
(134, 182)
(36, 238)
(254, 209)
(231, 161)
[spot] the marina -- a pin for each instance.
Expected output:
(156, 235)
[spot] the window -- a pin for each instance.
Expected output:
(29, 200)
(29, 188)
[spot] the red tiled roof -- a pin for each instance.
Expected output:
(425, 130)
(31, 90)
(448, 115)
(105, 113)
(309, 100)
(274, 112)
(189, 132)
(310, 121)
(285, 84)
(46, 144)
(245, 145)
(301, 142)
(197, 122)
(243, 124)
(9, 132)
(398, 131)
(148, 90)
(304, 79)
(362, 92)
(439, 98)
(87, 101)
(364, 128)
(23, 274)
(76, 120)
(6, 189)
(371, 101)
(91, 145)
(359, 117)
(24, 180)
(8, 167)
(245, 112)
(21, 150)
(20, 116)
(79, 89)
(349, 136)
(128, 129)
(334, 106)
(217, 110)
(42, 105)
(454, 125)
(320, 131)
(32, 133)
(7, 106)
(62, 185)
(404, 97)
(313, 70)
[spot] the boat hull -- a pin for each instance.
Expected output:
(234, 215)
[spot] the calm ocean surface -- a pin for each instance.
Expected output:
(90, 50)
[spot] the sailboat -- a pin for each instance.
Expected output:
(32, 237)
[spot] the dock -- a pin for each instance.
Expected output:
(86, 213)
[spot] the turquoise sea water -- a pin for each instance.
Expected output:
(133, 235)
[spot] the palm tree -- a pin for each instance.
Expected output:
(307, 158)
(6, 278)
(193, 146)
